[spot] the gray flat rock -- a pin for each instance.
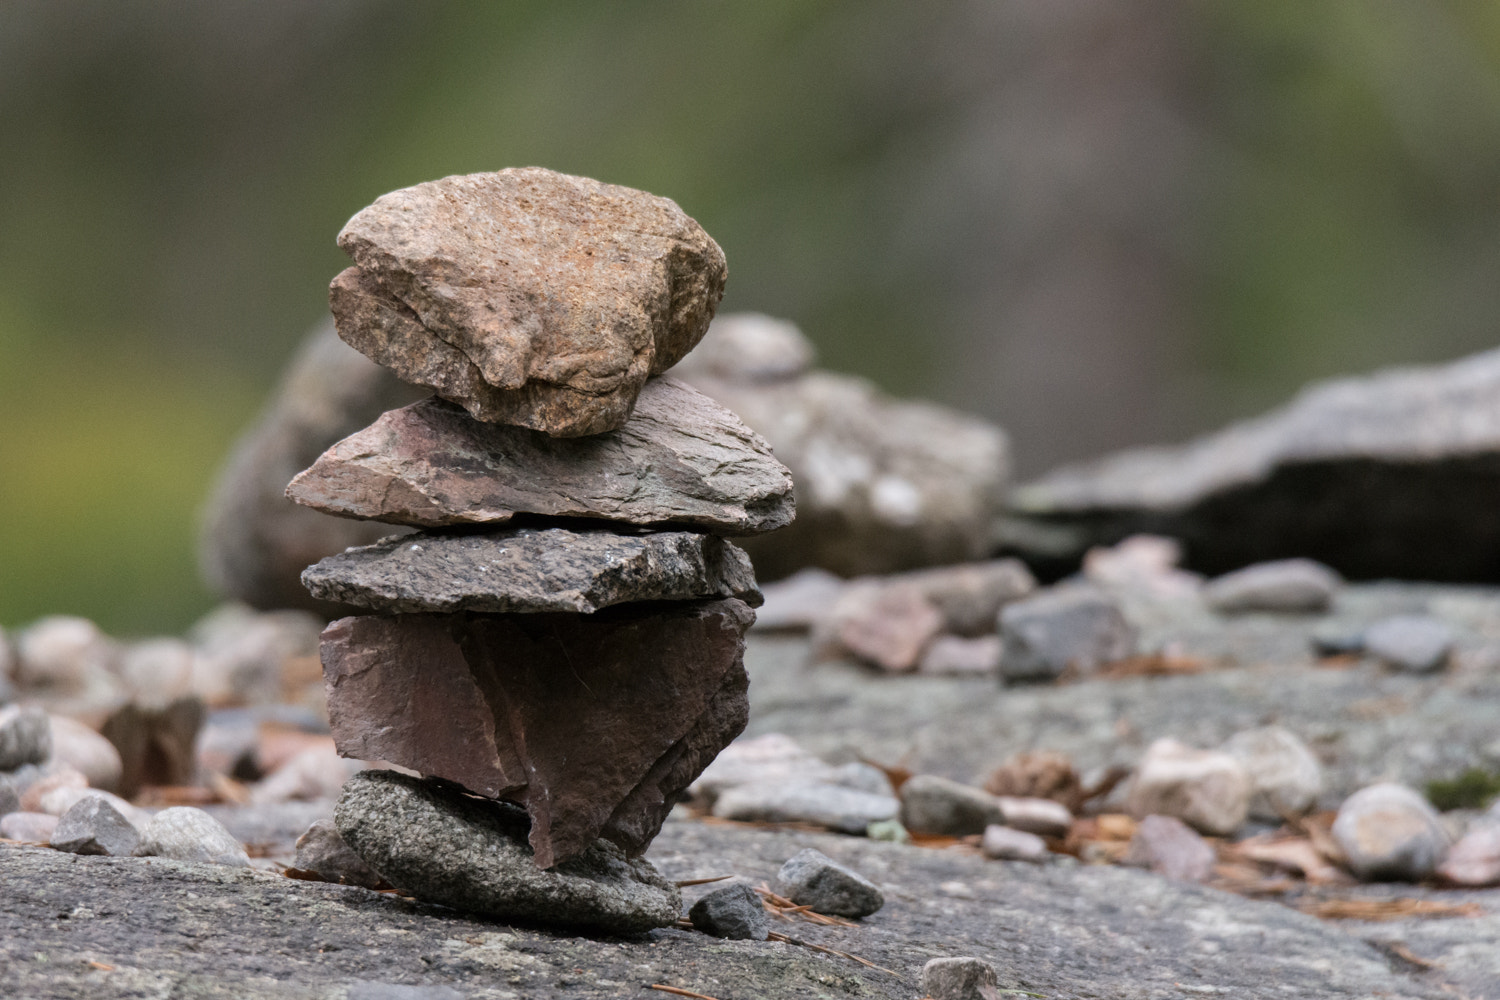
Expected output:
(533, 570)
(471, 854)
(681, 459)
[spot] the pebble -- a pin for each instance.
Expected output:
(956, 656)
(93, 825)
(888, 830)
(34, 828)
(315, 773)
(761, 760)
(25, 737)
(862, 777)
(1389, 833)
(1145, 564)
(834, 806)
(1414, 643)
(1285, 586)
(1043, 817)
(185, 833)
(1004, 843)
(1168, 846)
(886, 625)
(1473, 862)
(934, 805)
(798, 602)
(78, 746)
(959, 979)
(64, 653)
(733, 912)
(323, 851)
(157, 671)
(811, 878)
(59, 800)
(1207, 789)
(1066, 627)
(36, 783)
(1285, 775)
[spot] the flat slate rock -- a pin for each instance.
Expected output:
(443, 846)
(1062, 931)
(682, 459)
(533, 570)
(595, 723)
(1383, 476)
(529, 296)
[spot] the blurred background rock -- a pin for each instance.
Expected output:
(1095, 223)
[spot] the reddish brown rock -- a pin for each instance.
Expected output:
(682, 459)
(528, 296)
(594, 723)
(156, 744)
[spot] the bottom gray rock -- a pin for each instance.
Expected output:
(447, 847)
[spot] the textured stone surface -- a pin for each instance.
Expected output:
(1417, 643)
(25, 737)
(959, 979)
(1289, 586)
(836, 807)
(930, 804)
(1285, 775)
(184, 833)
(734, 911)
(558, 295)
(533, 569)
(320, 849)
(445, 847)
(1389, 833)
(1207, 789)
(1377, 476)
(882, 484)
(93, 825)
(1080, 931)
(681, 459)
(255, 542)
(1168, 846)
(811, 878)
(497, 703)
(1062, 629)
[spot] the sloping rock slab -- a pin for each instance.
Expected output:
(533, 570)
(446, 847)
(681, 459)
(1385, 476)
(531, 297)
(1063, 932)
(594, 723)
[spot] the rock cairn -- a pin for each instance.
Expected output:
(566, 631)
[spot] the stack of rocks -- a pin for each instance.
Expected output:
(566, 633)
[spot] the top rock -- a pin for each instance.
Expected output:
(528, 296)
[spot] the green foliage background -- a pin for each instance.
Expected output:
(172, 175)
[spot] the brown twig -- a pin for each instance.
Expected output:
(784, 908)
(774, 936)
(682, 993)
(684, 883)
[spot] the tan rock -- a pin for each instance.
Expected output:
(682, 459)
(81, 748)
(1207, 789)
(551, 298)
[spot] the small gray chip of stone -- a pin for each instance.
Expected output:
(94, 826)
(733, 912)
(811, 878)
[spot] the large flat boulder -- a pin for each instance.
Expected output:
(593, 723)
(682, 459)
(533, 570)
(1391, 475)
(528, 296)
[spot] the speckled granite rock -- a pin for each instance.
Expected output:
(533, 570)
(531, 297)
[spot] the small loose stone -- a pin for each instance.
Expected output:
(95, 826)
(733, 912)
(184, 833)
(1003, 843)
(934, 805)
(811, 878)
(959, 979)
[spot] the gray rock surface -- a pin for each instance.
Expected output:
(822, 803)
(532, 297)
(1059, 931)
(1376, 476)
(1289, 586)
(25, 737)
(445, 847)
(323, 851)
(882, 484)
(93, 825)
(1169, 847)
(533, 569)
(959, 979)
(1003, 843)
(681, 459)
(1285, 776)
(255, 543)
(930, 804)
(1417, 643)
(184, 833)
(1389, 832)
(813, 879)
(734, 911)
(1065, 628)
